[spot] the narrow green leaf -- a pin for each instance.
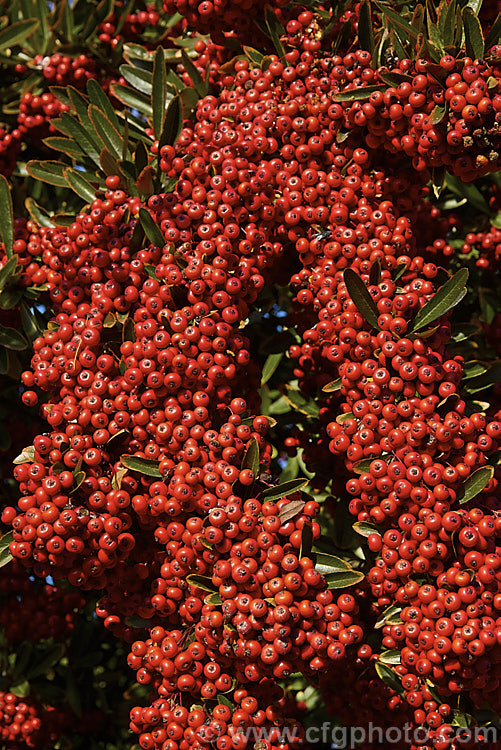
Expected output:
(110, 137)
(132, 98)
(201, 582)
(375, 273)
(364, 528)
(48, 171)
(12, 339)
(151, 229)
(26, 456)
(81, 134)
(7, 214)
(397, 20)
(142, 465)
(475, 484)
(494, 34)
(302, 404)
(99, 98)
(361, 297)
(343, 579)
(390, 657)
(445, 298)
(327, 564)
(253, 55)
(275, 30)
(251, 457)
(214, 599)
(65, 145)
(15, 33)
(158, 92)
(365, 32)
(138, 78)
(200, 86)
(269, 367)
(306, 541)
(8, 271)
(29, 322)
(172, 124)
(437, 114)
(356, 94)
(20, 689)
(389, 677)
(333, 386)
(447, 22)
(390, 616)
(474, 368)
(79, 185)
(5, 540)
(474, 38)
(283, 490)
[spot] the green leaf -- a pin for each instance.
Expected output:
(131, 98)
(333, 386)
(200, 86)
(447, 22)
(269, 367)
(48, 171)
(138, 78)
(356, 94)
(147, 466)
(15, 33)
(275, 30)
(362, 466)
(109, 135)
(20, 689)
(494, 34)
(5, 555)
(8, 271)
(361, 297)
(37, 213)
(475, 484)
(79, 135)
(474, 38)
(444, 299)
(437, 114)
(151, 229)
(98, 97)
(397, 21)
(172, 124)
(469, 191)
(389, 677)
(306, 541)
(343, 579)
(327, 564)
(201, 582)
(304, 405)
(29, 322)
(365, 32)
(27, 455)
(390, 616)
(364, 528)
(213, 599)
(79, 185)
(12, 339)
(390, 657)
(251, 457)
(473, 369)
(158, 92)
(253, 55)
(7, 214)
(283, 490)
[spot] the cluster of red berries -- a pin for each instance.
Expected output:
(214, 17)
(151, 483)
(21, 722)
(35, 610)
